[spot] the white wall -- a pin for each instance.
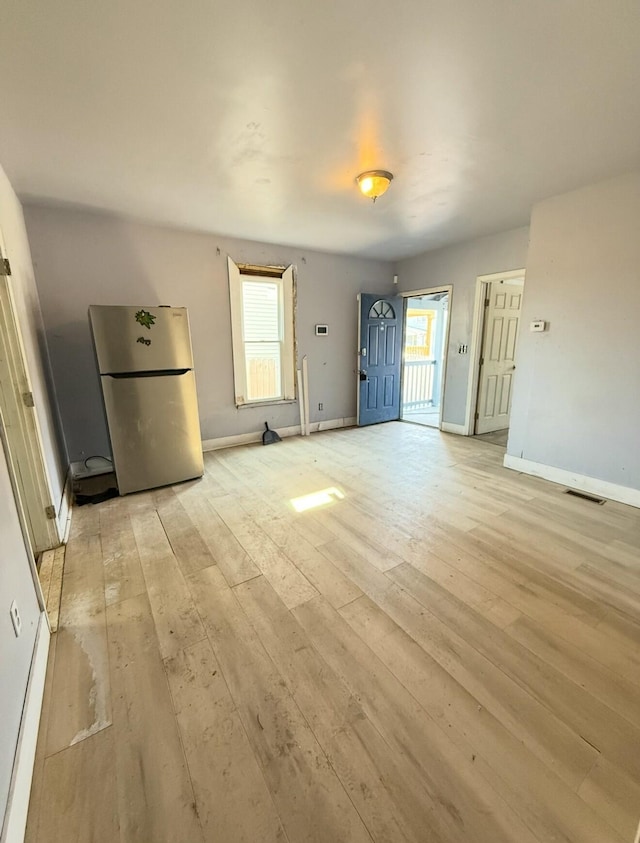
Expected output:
(25, 295)
(460, 265)
(577, 394)
(84, 258)
(15, 653)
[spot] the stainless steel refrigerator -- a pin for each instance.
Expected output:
(149, 390)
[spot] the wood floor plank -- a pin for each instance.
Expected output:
(615, 796)
(44, 572)
(534, 602)
(325, 577)
(270, 498)
(547, 805)
(576, 663)
(85, 522)
(154, 793)
(530, 569)
(545, 735)
(54, 595)
(292, 586)
(36, 798)
(594, 722)
(479, 813)
(233, 801)
(186, 542)
(565, 568)
(233, 560)
(310, 799)
(123, 576)
(81, 696)
(79, 793)
(343, 730)
(486, 602)
(448, 653)
(176, 619)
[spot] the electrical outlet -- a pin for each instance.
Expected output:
(16, 620)
(321, 406)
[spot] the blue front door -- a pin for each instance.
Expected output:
(380, 356)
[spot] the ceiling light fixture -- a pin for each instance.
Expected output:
(374, 183)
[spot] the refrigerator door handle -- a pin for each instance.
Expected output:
(155, 373)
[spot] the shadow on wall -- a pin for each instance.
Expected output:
(78, 387)
(54, 403)
(122, 279)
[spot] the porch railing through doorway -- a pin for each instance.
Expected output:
(417, 384)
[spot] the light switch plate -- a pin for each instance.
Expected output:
(538, 325)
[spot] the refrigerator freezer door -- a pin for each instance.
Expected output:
(141, 339)
(154, 430)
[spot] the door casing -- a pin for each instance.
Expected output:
(482, 282)
(445, 288)
(21, 427)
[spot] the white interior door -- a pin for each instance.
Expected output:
(22, 432)
(503, 305)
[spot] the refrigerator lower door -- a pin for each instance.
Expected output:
(154, 429)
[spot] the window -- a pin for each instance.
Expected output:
(263, 333)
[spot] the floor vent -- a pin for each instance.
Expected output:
(584, 496)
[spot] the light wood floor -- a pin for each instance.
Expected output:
(496, 437)
(449, 653)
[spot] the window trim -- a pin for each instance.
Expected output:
(287, 278)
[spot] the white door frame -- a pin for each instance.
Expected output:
(4, 444)
(482, 283)
(35, 492)
(15, 818)
(444, 288)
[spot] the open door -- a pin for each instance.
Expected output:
(426, 330)
(503, 305)
(379, 357)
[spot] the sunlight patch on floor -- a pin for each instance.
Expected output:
(316, 499)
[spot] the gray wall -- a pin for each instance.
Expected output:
(577, 395)
(84, 258)
(460, 265)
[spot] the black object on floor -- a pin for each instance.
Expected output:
(269, 436)
(95, 488)
(99, 497)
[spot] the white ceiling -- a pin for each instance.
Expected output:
(252, 118)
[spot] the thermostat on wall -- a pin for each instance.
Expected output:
(322, 330)
(538, 325)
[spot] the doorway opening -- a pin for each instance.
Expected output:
(426, 323)
(493, 364)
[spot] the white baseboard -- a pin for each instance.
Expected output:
(450, 427)
(64, 510)
(591, 485)
(15, 820)
(283, 432)
(333, 424)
